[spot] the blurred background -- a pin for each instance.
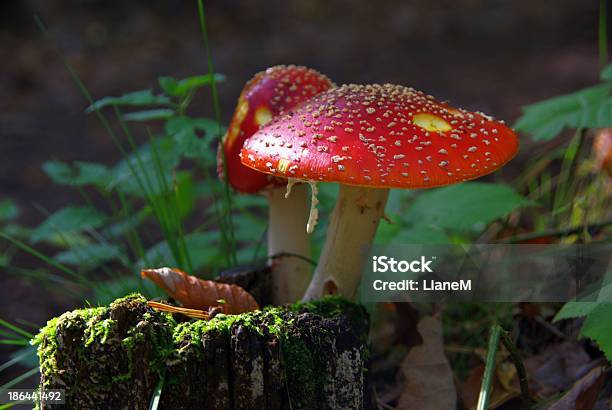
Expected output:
(495, 56)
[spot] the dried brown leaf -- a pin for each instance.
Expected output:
(583, 395)
(427, 373)
(557, 367)
(503, 388)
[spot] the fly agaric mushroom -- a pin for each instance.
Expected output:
(370, 138)
(268, 94)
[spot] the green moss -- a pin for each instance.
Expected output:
(329, 306)
(98, 330)
(297, 357)
(132, 297)
(47, 341)
(95, 327)
(190, 334)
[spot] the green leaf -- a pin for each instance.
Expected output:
(168, 84)
(386, 231)
(587, 108)
(77, 174)
(8, 210)
(577, 309)
(66, 221)
(186, 133)
(598, 327)
(148, 115)
(421, 235)
(179, 88)
(464, 207)
(606, 73)
(186, 194)
(398, 198)
(16, 231)
(135, 98)
(145, 169)
(89, 256)
(128, 223)
(183, 123)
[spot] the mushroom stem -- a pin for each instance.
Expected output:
(287, 235)
(351, 229)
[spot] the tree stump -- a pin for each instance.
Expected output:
(302, 356)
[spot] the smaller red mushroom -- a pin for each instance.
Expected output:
(267, 95)
(370, 138)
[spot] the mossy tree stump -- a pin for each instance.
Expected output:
(303, 356)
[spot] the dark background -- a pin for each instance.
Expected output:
(492, 55)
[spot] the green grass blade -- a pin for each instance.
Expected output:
(145, 186)
(85, 92)
(16, 329)
(170, 205)
(156, 397)
(26, 248)
(11, 405)
(159, 208)
(104, 121)
(15, 360)
(15, 342)
(489, 372)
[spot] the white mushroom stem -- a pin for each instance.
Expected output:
(351, 230)
(287, 235)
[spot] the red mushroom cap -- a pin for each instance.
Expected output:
(266, 95)
(385, 136)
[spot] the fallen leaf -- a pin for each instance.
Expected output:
(557, 367)
(199, 294)
(427, 373)
(583, 395)
(469, 390)
(507, 376)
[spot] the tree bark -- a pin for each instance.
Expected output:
(303, 356)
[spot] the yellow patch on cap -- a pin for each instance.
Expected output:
(283, 165)
(430, 122)
(263, 115)
(234, 129)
